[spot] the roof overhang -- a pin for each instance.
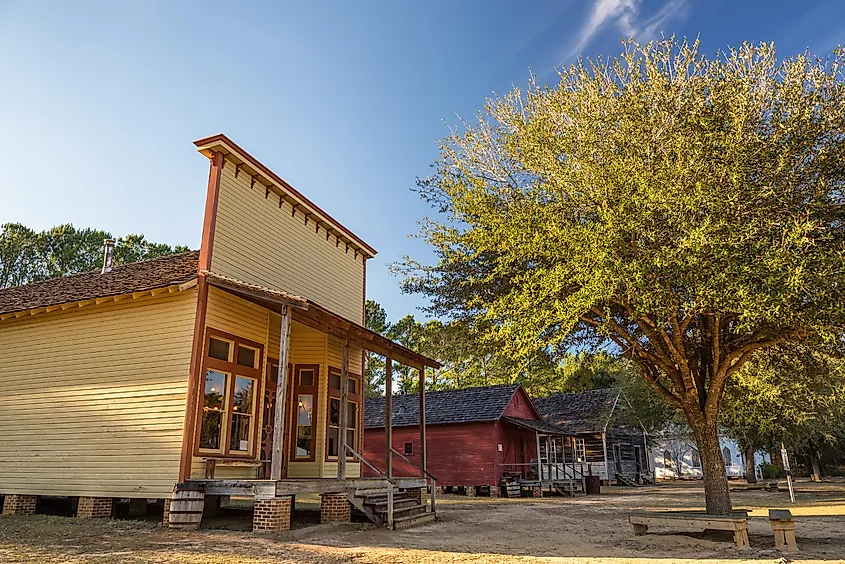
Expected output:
(272, 182)
(317, 317)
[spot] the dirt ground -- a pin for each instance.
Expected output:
(562, 530)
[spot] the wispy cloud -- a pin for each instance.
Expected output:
(625, 15)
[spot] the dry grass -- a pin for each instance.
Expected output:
(564, 530)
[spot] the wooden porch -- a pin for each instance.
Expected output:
(329, 465)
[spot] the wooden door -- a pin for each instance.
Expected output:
(268, 417)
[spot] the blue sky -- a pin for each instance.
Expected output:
(99, 102)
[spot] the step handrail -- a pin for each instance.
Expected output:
(360, 457)
(412, 463)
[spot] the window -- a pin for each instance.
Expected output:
(696, 459)
(219, 349)
(667, 459)
(409, 449)
(304, 416)
(352, 415)
(580, 450)
(228, 422)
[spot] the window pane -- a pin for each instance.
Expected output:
(306, 377)
(246, 356)
(242, 400)
(334, 412)
(303, 442)
(350, 439)
(352, 386)
(332, 441)
(306, 408)
(215, 389)
(409, 449)
(334, 381)
(239, 438)
(218, 349)
(352, 415)
(210, 432)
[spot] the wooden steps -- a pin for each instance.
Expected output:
(407, 512)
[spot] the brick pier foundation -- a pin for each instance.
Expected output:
(335, 508)
(273, 514)
(17, 504)
(90, 507)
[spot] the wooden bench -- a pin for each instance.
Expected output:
(783, 526)
(736, 522)
(211, 465)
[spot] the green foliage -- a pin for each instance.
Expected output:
(27, 256)
(794, 395)
(687, 210)
(772, 472)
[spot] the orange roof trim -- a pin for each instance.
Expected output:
(229, 148)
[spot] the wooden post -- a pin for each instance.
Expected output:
(388, 416)
(390, 506)
(422, 422)
(277, 455)
(539, 462)
(344, 401)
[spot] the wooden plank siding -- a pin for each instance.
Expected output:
(259, 242)
(93, 399)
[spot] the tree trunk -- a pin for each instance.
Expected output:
(750, 467)
(716, 494)
(813, 467)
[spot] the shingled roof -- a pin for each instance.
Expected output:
(587, 412)
(466, 405)
(124, 279)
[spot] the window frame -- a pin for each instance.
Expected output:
(312, 390)
(405, 448)
(232, 370)
(356, 398)
(583, 444)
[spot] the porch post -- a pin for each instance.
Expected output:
(344, 395)
(604, 447)
(539, 462)
(422, 422)
(277, 454)
(388, 416)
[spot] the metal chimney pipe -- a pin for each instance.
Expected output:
(108, 253)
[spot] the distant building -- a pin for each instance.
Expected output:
(675, 456)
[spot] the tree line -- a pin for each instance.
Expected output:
(28, 256)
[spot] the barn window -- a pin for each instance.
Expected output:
(228, 405)
(352, 413)
(409, 449)
(580, 450)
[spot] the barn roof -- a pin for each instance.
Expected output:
(123, 279)
(534, 425)
(587, 412)
(465, 405)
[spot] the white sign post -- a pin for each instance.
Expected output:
(785, 459)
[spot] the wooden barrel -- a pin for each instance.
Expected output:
(186, 508)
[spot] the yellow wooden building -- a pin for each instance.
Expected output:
(160, 379)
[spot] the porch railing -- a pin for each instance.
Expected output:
(390, 487)
(429, 477)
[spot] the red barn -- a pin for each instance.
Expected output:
(474, 435)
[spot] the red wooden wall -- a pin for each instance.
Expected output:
(461, 454)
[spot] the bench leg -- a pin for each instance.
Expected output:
(741, 538)
(785, 538)
(640, 530)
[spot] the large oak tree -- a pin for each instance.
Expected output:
(687, 210)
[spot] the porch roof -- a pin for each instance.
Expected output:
(535, 425)
(314, 315)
